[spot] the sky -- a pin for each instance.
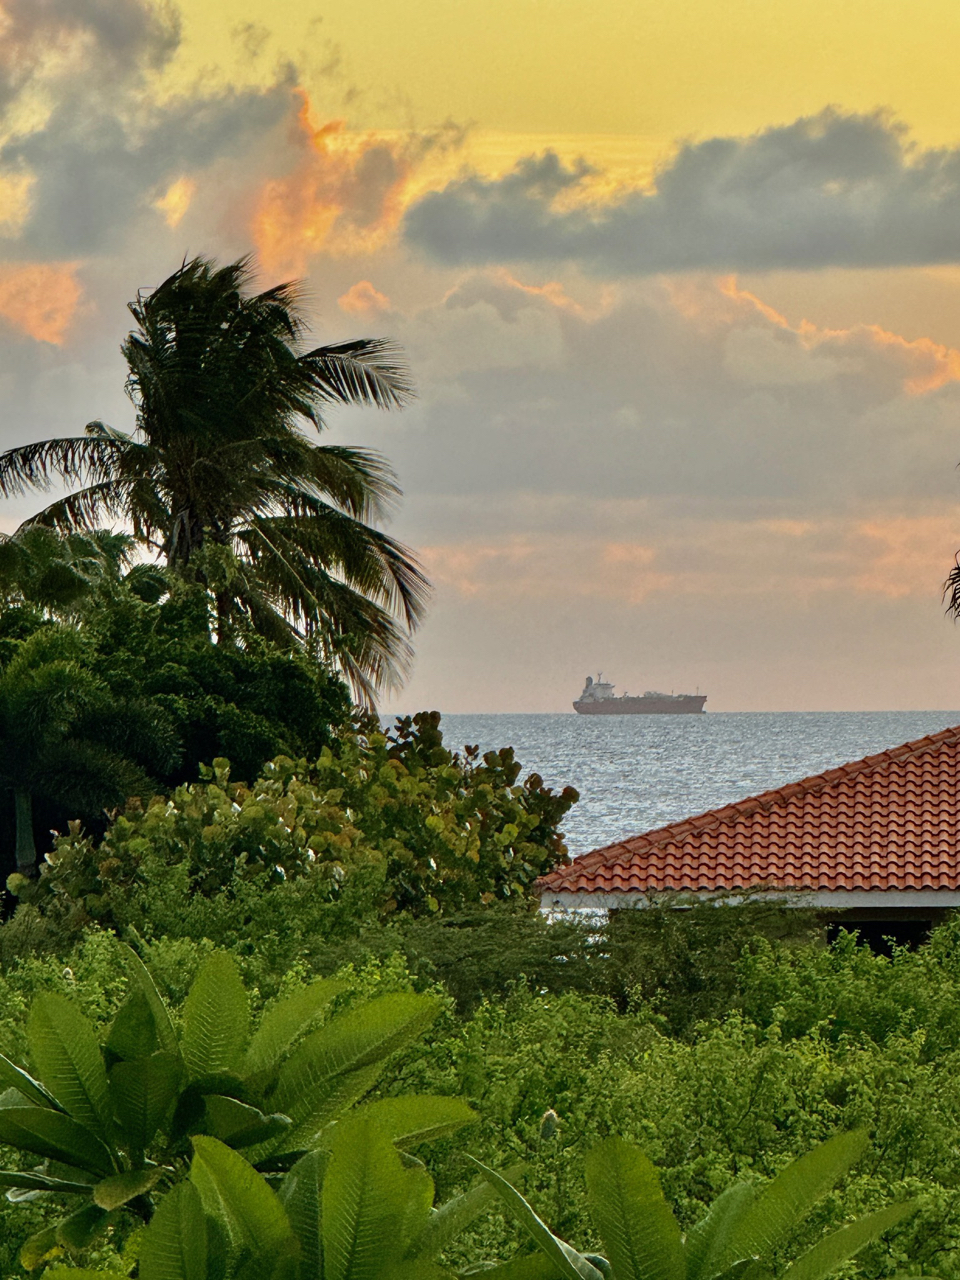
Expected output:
(678, 284)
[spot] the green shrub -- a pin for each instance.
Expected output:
(426, 830)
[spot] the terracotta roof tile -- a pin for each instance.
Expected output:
(889, 821)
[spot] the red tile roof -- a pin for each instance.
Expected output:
(890, 821)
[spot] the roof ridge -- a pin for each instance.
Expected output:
(622, 851)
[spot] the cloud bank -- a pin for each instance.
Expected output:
(88, 137)
(832, 190)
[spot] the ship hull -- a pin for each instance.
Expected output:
(685, 705)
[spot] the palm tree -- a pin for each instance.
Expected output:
(220, 479)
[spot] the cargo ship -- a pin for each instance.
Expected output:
(598, 699)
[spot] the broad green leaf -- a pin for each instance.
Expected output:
(67, 1056)
(55, 1136)
(174, 1245)
(284, 1022)
(363, 1206)
(418, 1210)
(641, 1236)
(300, 1196)
(570, 1264)
(143, 1091)
(239, 1125)
(271, 1266)
(133, 1033)
(786, 1201)
(233, 1191)
(31, 1181)
(362, 1037)
(140, 975)
(828, 1254)
(117, 1190)
(415, 1269)
(330, 1099)
(707, 1240)
(446, 1223)
(417, 1117)
(82, 1227)
(216, 1019)
(746, 1269)
(39, 1247)
(15, 1077)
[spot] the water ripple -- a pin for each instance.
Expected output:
(635, 773)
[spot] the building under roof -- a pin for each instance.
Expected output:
(872, 844)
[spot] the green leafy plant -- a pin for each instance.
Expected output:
(112, 1123)
(735, 1240)
(361, 1210)
(55, 732)
(442, 831)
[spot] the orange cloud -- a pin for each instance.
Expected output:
(527, 568)
(40, 298)
(907, 555)
(927, 365)
(553, 291)
(363, 299)
(175, 201)
(346, 196)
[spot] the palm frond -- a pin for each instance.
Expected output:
(363, 557)
(353, 631)
(87, 459)
(360, 481)
(365, 371)
(951, 589)
(85, 509)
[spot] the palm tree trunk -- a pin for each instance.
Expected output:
(26, 848)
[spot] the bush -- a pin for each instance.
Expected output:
(383, 823)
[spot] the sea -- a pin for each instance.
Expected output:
(635, 773)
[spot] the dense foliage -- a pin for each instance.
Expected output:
(247, 704)
(396, 820)
(734, 1099)
(115, 1122)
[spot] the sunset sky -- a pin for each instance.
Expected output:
(679, 285)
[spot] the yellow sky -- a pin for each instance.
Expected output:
(663, 70)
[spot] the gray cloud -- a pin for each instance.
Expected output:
(111, 38)
(94, 171)
(826, 191)
(686, 391)
(107, 145)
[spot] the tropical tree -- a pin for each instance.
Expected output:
(53, 573)
(220, 479)
(65, 739)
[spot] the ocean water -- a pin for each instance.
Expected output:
(635, 773)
